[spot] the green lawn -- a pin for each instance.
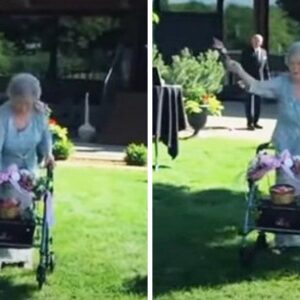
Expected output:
(198, 212)
(100, 239)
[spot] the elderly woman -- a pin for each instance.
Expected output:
(24, 129)
(24, 133)
(286, 89)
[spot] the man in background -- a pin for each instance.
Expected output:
(255, 62)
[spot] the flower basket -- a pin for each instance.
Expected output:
(17, 192)
(282, 194)
(9, 210)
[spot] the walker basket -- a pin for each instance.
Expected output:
(284, 217)
(16, 233)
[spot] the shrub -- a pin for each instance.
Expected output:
(62, 145)
(204, 71)
(200, 77)
(136, 155)
(62, 149)
(159, 63)
(36, 64)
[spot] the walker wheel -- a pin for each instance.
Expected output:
(41, 276)
(246, 256)
(52, 262)
(261, 242)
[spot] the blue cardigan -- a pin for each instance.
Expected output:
(21, 147)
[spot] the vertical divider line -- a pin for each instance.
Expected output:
(150, 156)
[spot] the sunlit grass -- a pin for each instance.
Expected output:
(100, 239)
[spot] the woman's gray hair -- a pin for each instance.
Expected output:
(24, 85)
(293, 50)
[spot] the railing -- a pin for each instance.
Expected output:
(112, 85)
(111, 73)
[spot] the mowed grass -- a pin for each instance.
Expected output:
(100, 239)
(199, 206)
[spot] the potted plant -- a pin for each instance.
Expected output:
(199, 105)
(201, 80)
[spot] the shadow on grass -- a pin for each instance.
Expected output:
(137, 285)
(9, 290)
(196, 240)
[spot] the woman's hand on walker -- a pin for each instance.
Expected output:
(50, 161)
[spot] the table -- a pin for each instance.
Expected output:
(168, 118)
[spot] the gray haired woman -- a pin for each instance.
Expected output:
(24, 129)
(286, 89)
(24, 132)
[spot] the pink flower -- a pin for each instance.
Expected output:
(270, 163)
(15, 176)
(4, 177)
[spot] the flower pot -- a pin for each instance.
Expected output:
(86, 133)
(60, 157)
(197, 120)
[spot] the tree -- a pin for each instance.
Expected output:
(292, 7)
(283, 30)
(6, 50)
(191, 6)
(69, 36)
(239, 25)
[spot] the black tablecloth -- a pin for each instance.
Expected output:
(168, 116)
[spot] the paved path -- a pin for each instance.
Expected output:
(233, 123)
(110, 153)
(95, 155)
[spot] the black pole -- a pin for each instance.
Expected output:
(261, 19)
(53, 49)
(220, 11)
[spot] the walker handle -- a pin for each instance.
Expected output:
(49, 173)
(264, 147)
